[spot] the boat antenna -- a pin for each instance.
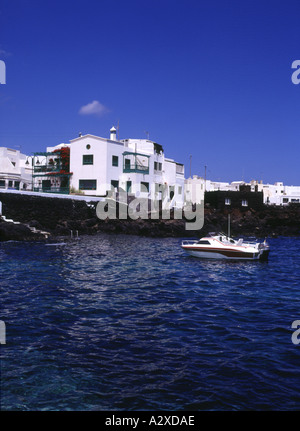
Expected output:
(228, 226)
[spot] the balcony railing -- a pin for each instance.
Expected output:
(46, 168)
(58, 190)
(136, 168)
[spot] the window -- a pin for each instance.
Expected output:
(87, 184)
(115, 160)
(115, 184)
(17, 185)
(157, 166)
(227, 201)
(128, 186)
(10, 183)
(203, 241)
(144, 186)
(46, 185)
(127, 163)
(179, 190)
(244, 203)
(172, 191)
(88, 159)
(2, 184)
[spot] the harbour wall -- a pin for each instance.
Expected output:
(60, 216)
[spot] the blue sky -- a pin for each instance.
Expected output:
(211, 79)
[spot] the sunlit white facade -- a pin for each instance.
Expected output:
(273, 194)
(136, 166)
(15, 170)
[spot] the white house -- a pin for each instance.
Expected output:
(97, 164)
(273, 194)
(278, 193)
(15, 170)
(196, 187)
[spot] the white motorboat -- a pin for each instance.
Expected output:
(222, 246)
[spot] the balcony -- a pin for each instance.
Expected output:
(46, 168)
(135, 163)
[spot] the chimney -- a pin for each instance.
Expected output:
(113, 134)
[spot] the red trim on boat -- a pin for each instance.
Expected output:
(224, 252)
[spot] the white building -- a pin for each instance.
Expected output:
(196, 187)
(138, 166)
(278, 193)
(15, 170)
(273, 194)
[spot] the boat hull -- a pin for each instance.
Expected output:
(227, 254)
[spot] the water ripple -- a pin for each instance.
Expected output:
(118, 322)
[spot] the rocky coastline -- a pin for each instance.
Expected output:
(39, 215)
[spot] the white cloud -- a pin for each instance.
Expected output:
(93, 108)
(4, 53)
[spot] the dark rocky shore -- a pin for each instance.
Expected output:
(60, 216)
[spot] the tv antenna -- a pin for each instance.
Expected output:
(118, 135)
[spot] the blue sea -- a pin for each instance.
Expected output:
(118, 322)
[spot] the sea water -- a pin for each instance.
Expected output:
(117, 322)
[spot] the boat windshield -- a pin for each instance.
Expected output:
(222, 237)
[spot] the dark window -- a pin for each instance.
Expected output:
(203, 241)
(128, 186)
(115, 183)
(144, 186)
(87, 184)
(88, 159)
(2, 184)
(127, 163)
(155, 166)
(115, 160)
(159, 166)
(46, 184)
(172, 190)
(10, 183)
(17, 185)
